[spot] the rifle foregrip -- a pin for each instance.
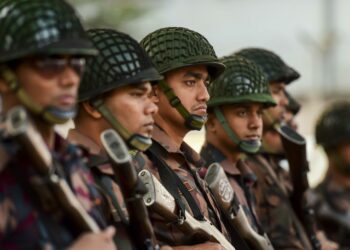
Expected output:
(163, 203)
(224, 196)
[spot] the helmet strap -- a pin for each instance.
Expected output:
(50, 114)
(248, 146)
(136, 141)
(194, 122)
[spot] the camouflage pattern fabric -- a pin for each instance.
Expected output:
(240, 177)
(333, 198)
(273, 208)
(26, 226)
(185, 162)
(121, 238)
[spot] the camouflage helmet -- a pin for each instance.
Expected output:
(30, 27)
(242, 81)
(121, 61)
(273, 66)
(333, 126)
(175, 47)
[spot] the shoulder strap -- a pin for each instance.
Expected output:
(173, 183)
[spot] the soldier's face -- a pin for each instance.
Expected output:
(276, 113)
(51, 81)
(134, 108)
(190, 86)
(245, 120)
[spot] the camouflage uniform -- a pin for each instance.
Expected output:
(274, 210)
(241, 178)
(186, 163)
(25, 224)
(116, 216)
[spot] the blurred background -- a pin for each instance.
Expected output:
(311, 36)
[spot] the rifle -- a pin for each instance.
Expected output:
(19, 127)
(132, 188)
(225, 197)
(295, 150)
(163, 203)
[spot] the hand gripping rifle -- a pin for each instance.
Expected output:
(132, 188)
(19, 127)
(163, 203)
(225, 197)
(295, 151)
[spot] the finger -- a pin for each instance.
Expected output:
(109, 232)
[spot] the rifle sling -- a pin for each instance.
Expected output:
(266, 168)
(173, 183)
(105, 183)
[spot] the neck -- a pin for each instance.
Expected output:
(177, 134)
(91, 129)
(233, 154)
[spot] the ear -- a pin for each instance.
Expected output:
(155, 94)
(89, 109)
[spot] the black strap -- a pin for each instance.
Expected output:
(173, 184)
(105, 183)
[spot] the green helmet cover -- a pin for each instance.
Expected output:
(333, 126)
(176, 47)
(32, 27)
(275, 69)
(39, 27)
(242, 82)
(121, 61)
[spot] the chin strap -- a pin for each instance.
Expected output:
(50, 114)
(194, 122)
(251, 146)
(136, 141)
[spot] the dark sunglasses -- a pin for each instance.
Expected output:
(50, 66)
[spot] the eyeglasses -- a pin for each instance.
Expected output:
(50, 66)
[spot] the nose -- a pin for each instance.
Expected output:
(255, 121)
(69, 77)
(151, 108)
(203, 94)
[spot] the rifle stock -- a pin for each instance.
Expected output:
(224, 196)
(163, 203)
(132, 189)
(295, 150)
(20, 128)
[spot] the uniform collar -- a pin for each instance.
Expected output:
(79, 138)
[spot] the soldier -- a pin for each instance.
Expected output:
(332, 205)
(277, 216)
(42, 54)
(115, 93)
(188, 63)
(234, 126)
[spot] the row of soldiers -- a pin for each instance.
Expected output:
(152, 94)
